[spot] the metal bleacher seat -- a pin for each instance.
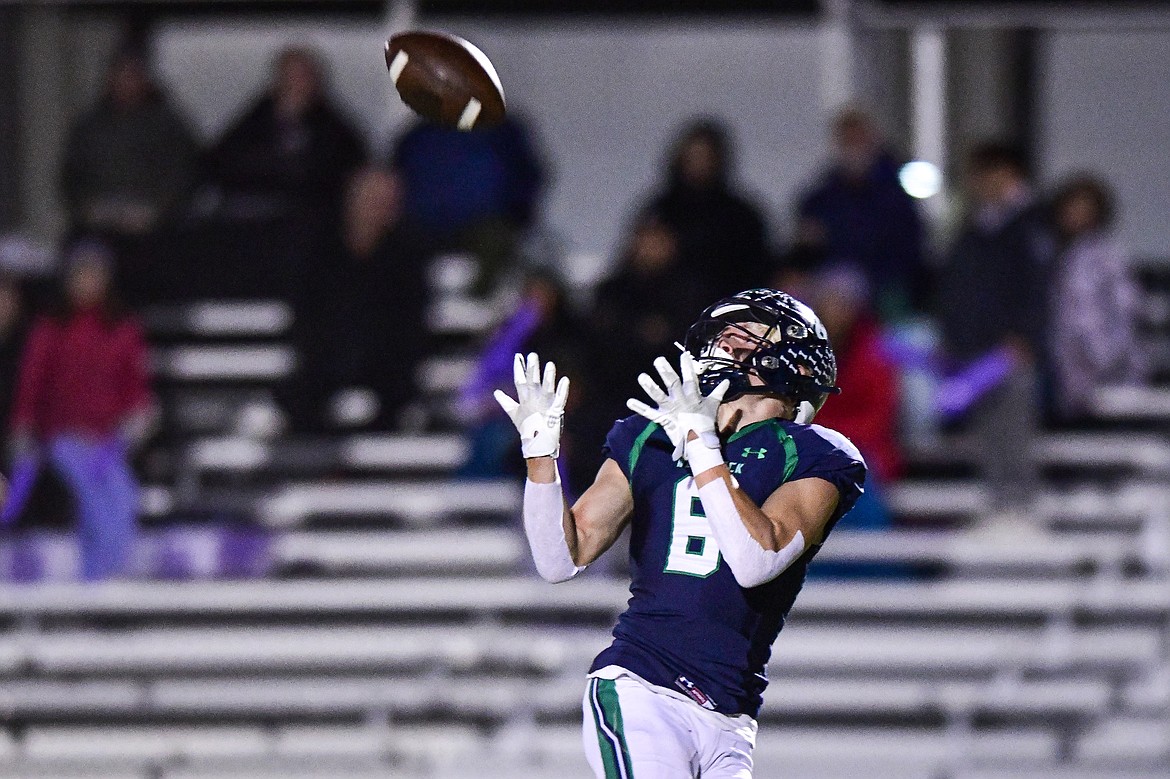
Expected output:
(997, 598)
(321, 649)
(43, 697)
(11, 655)
(1059, 554)
(495, 698)
(1061, 772)
(1127, 741)
(1148, 454)
(874, 696)
(964, 650)
(1133, 403)
(221, 318)
(1149, 694)
(398, 453)
(1116, 505)
(414, 502)
(994, 599)
(128, 744)
(275, 768)
(53, 769)
(885, 751)
(224, 363)
(444, 374)
(393, 552)
(502, 696)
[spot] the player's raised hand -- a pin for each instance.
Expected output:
(682, 407)
(539, 407)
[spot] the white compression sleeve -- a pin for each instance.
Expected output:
(750, 563)
(544, 508)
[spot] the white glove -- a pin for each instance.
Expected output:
(539, 408)
(682, 407)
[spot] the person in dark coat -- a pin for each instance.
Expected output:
(363, 322)
(130, 161)
(722, 237)
(858, 213)
(992, 297)
(477, 192)
(293, 148)
(643, 306)
(282, 170)
(992, 286)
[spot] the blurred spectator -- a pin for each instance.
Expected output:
(859, 213)
(282, 170)
(476, 191)
(83, 401)
(363, 323)
(992, 285)
(866, 411)
(992, 299)
(722, 237)
(130, 161)
(1094, 305)
(797, 266)
(292, 150)
(12, 333)
(543, 323)
(642, 310)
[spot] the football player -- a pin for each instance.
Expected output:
(729, 491)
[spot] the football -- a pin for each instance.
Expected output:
(445, 79)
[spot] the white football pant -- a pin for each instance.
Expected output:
(636, 730)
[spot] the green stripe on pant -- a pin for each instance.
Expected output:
(607, 718)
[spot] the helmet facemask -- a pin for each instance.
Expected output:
(765, 342)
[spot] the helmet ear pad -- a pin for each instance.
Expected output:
(805, 412)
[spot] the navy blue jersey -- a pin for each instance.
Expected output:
(689, 626)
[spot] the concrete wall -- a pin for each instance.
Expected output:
(1105, 106)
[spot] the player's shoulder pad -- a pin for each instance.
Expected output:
(825, 453)
(838, 442)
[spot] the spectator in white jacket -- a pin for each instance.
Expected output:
(1094, 304)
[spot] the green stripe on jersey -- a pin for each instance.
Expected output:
(639, 442)
(790, 456)
(753, 426)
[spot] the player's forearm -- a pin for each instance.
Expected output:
(548, 523)
(766, 533)
(751, 563)
(755, 548)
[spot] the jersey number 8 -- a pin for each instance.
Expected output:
(693, 550)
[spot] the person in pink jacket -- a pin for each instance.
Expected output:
(82, 401)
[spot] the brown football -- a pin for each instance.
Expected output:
(445, 79)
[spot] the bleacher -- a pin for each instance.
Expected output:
(399, 633)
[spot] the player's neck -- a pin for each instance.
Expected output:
(747, 410)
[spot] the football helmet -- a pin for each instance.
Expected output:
(772, 336)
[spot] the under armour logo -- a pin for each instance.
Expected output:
(759, 453)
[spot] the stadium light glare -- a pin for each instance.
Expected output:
(920, 179)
